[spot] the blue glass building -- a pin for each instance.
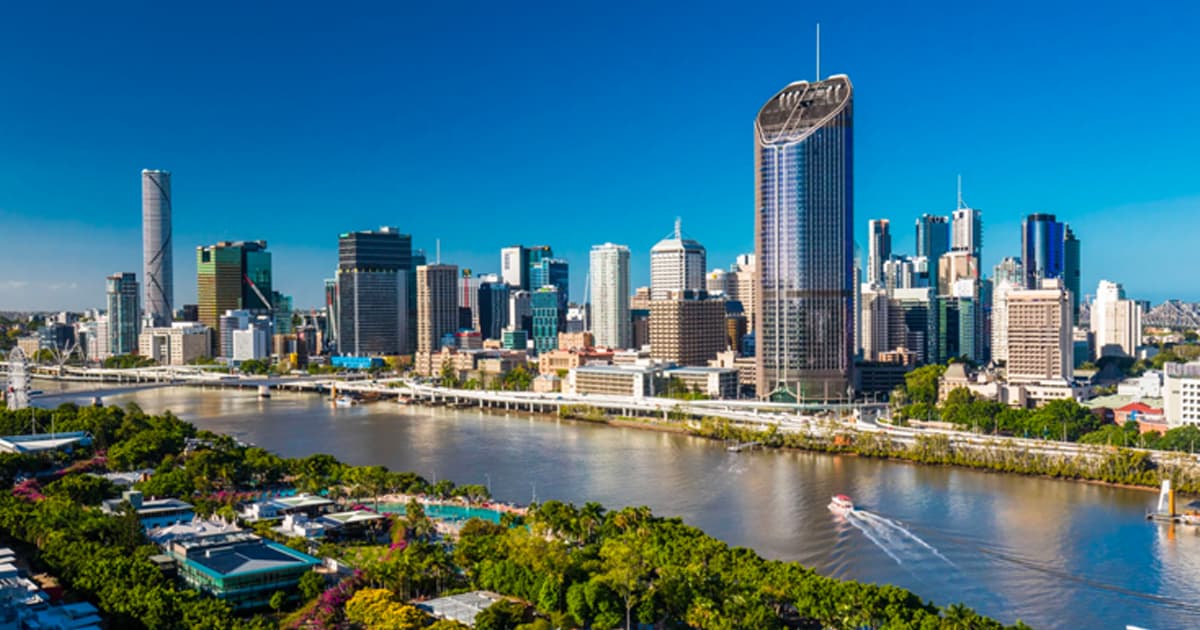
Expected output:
(804, 166)
(545, 318)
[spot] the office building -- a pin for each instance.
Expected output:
(229, 323)
(687, 328)
(374, 278)
(230, 276)
(1040, 342)
(879, 249)
(912, 322)
(874, 321)
(252, 343)
(124, 316)
(967, 231)
(1072, 274)
(899, 273)
(742, 285)
(514, 339)
(958, 274)
(520, 311)
(676, 264)
(1116, 322)
(493, 301)
(933, 240)
(554, 272)
(639, 327)
(1181, 393)
(514, 267)
(546, 313)
(437, 305)
(537, 272)
(716, 283)
(282, 313)
(1049, 249)
(157, 261)
(717, 383)
(468, 300)
(804, 242)
(609, 272)
(179, 344)
(956, 329)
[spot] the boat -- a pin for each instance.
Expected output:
(344, 401)
(841, 504)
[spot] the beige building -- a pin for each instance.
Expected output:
(1116, 322)
(610, 380)
(744, 365)
(180, 344)
(29, 345)
(687, 330)
(575, 340)
(1040, 341)
(437, 305)
(714, 382)
(874, 332)
(554, 360)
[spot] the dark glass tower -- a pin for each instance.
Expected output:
(804, 241)
(1042, 237)
(373, 279)
(933, 240)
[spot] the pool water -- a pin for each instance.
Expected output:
(452, 513)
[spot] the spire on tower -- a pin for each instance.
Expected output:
(679, 228)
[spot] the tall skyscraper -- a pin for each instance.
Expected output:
(804, 241)
(1049, 249)
(879, 249)
(967, 231)
(1116, 322)
(514, 266)
(933, 238)
(156, 246)
(537, 272)
(232, 276)
(437, 305)
(676, 264)
(546, 316)
(1040, 344)
(874, 333)
(687, 327)
(372, 292)
(1007, 277)
(1071, 271)
(124, 316)
(493, 307)
(610, 295)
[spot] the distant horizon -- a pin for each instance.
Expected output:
(575, 126)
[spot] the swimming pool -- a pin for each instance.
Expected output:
(452, 513)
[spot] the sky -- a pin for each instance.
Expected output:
(576, 123)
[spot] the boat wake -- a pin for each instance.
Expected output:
(896, 540)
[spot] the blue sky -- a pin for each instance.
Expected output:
(487, 124)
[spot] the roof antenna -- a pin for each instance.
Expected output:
(818, 51)
(679, 228)
(437, 259)
(961, 205)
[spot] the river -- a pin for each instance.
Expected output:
(1051, 553)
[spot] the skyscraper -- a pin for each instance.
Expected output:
(1050, 250)
(1039, 334)
(437, 305)
(493, 307)
(1071, 271)
(372, 292)
(232, 276)
(933, 237)
(156, 246)
(610, 295)
(546, 316)
(514, 266)
(804, 241)
(1007, 277)
(967, 231)
(124, 316)
(1116, 322)
(676, 264)
(879, 249)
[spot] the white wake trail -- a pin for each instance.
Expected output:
(889, 523)
(862, 527)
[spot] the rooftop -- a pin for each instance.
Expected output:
(42, 441)
(224, 555)
(352, 517)
(462, 608)
(301, 501)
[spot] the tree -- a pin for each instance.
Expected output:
(627, 569)
(377, 609)
(278, 601)
(922, 383)
(502, 615)
(83, 489)
(311, 584)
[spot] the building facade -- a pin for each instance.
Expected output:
(1116, 322)
(157, 262)
(437, 305)
(676, 264)
(375, 293)
(124, 316)
(546, 313)
(609, 266)
(179, 344)
(1040, 341)
(879, 249)
(1181, 393)
(232, 275)
(687, 328)
(804, 224)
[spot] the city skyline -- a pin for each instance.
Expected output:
(360, 168)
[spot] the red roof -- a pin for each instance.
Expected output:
(1139, 407)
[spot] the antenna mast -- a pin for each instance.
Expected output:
(961, 205)
(818, 51)
(437, 252)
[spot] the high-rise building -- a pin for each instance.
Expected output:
(1116, 322)
(537, 272)
(912, 322)
(493, 307)
(956, 328)
(332, 318)
(157, 271)
(232, 276)
(437, 305)
(546, 313)
(1050, 249)
(899, 273)
(468, 300)
(804, 241)
(553, 272)
(933, 240)
(520, 312)
(687, 327)
(967, 231)
(124, 316)
(283, 312)
(372, 292)
(742, 285)
(716, 283)
(958, 274)
(1040, 342)
(879, 249)
(875, 303)
(514, 266)
(1007, 277)
(1071, 272)
(609, 270)
(676, 264)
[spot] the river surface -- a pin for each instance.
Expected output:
(1055, 554)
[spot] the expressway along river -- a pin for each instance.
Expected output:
(1051, 553)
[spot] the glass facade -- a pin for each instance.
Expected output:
(546, 313)
(804, 241)
(376, 293)
(124, 314)
(1041, 248)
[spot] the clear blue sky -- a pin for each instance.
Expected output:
(573, 124)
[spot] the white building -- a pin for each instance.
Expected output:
(638, 381)
(743, 286)
(966, 232)
(1116, 322)
(610, 295)
(98, 348)
(676, 264)
(1000, 293)
(1040, 342)
(874, 333)
(1181, 393)
(879, 249)
(252, 343)
(179, 344)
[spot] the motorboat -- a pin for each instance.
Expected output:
(344, 401)
(841, 504)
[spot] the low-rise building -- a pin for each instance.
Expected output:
(1181, 393)
(576, 340)
(179, 344)
(553, 361)
(714, 382)
(611, 380)
(279, 507)
(151, 512)
(547, 384)
(240, 568)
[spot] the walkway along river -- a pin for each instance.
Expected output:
(1052, 553)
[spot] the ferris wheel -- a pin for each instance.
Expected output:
(17, 392)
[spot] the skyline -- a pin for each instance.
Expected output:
(285, 162)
